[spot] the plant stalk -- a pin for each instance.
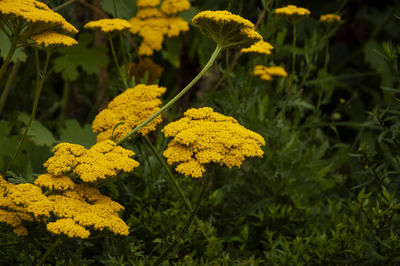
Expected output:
(165, 254)
(7, 60)
(116, 61)
(34, 109)
(177, 97)
(294, 48)
(187, 203)
(8, 86)
(48, 251)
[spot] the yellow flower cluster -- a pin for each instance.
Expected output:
(292, 10)
(203, 136)
(37, 15)
(104, 159)
(109, 25)
(227, 29)
(266, 73)
(172, 7)
(145, 65)
(260, 47)
(128, 110)
(153, 23)
(53, 39)
(54, 182)
(330, 18)
(76, 210)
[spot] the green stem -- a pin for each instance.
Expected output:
(165, 254)
(115, 9)
(79, 253)
(8, 58)
(326, 56)
(8, 86)
(48, 251)
(294, 48)
(116, 61)
(63, 5)
(177, 97)
(34, 109)
(176, 185)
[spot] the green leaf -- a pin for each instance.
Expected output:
(125, 8)
(40, 135)
(19, 54)
(90, 59)
(172, 50)
(74, 133)
(375, 56)
(8, 143)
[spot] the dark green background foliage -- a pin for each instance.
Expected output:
(326, 190)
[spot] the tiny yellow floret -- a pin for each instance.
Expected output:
(172, 7)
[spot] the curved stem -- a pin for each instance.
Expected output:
(7, 60)
(63, 5)
(116, 61)
(294, 48)
(34, 109)
(48, 251)
(177, 97)
(187, 203)
(8, 86)
(165, 254)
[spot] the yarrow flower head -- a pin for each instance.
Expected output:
(227, 29)
(109, 25)
(330, 18)
(172, 7)
(293, 13)
(260, 47)
(51, 39)
(153, 24)
(35, 14)
(103, 160)
(203, 136)
(127, 111)
(266, 73)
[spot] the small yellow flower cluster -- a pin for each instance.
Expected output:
(54, 182)
(330, 18)
(101, 161)
(109, 25)
(145, 64)
(153, 23)
(46, 27)
(226, 28)
(76, 210)
(266, 73)
(53, 39)
(36, 14)
(128, 110)
(292, 10)
(203, 136)
(260, 47)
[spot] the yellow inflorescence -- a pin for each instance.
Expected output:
(147, 3)
(51, 39)
(37, 15)
(76, 210)
(203, 136)
(128, 110)
(172, 7)
(53, 182)
(266, 73)
(292, 10)
(260, 47)
(103, 160)
(153, 25)
(330, 18)
(109, 25)
(226, 28)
